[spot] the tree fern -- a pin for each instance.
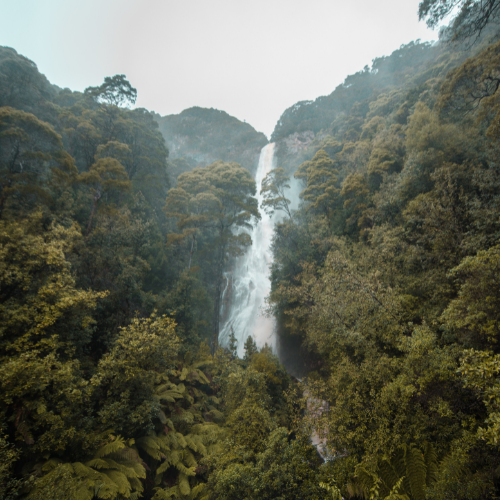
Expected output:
(117, 444)
(114, 472)
(405, 475)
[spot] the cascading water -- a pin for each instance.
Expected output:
(248, 285)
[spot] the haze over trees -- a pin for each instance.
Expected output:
(200, 136)
(384, 285)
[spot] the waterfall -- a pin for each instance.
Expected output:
(248, 284)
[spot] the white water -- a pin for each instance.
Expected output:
(248, 285)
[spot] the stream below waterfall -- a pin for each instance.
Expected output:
(247, 284)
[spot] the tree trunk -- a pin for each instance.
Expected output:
(191, 253)
(97, 197)
(218, 291)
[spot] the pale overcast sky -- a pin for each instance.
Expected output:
(250, 58)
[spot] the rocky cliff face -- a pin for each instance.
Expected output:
(201, 136)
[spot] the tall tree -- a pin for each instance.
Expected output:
(273, 189)
(115, 90)
(221, 197)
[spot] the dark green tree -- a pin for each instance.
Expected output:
(115, 90)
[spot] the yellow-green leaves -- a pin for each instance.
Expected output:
(481, 371)
(39, 298)
(321, 182)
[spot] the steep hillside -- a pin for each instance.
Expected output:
(385, 279)
(201, 136)
(393, 85)
(21, 84)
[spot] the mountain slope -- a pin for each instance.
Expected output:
(202, 136)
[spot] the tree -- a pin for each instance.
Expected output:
(115, 90)
(105, 176)
(250, 348)
(45, 323)
(481, 371)
(29, 147)
(473, 88)
(124, 379)
(403, 476)
(321, 179)
(470, 17)
(273, 190)
(284, 469)
(219, 197)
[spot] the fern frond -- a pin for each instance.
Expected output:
(190, 442)
(197, 490)
(105, 488)
(198, 442)
(169, 396)
(97, 463)
(184, 484)
(139, 470)
(416, 472)
(84, 492)
(128, 455)
(203, 377)
(336, 494)
(398, 462)
(394, 493)
(82, 471)
(136, 484)
(163, 467)
(115, 445)
(189, 459)
(167, 493)
(153, 452)
(387, 474)
(188, 471)
(120, 480)
(180, 440)
(51, 464)
(152, 445)
(431, 463)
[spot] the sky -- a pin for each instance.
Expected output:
(250, 58)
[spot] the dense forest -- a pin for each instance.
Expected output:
(198, 136)
(385, 286)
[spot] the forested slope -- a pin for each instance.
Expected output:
(388, 272)
(200, 136)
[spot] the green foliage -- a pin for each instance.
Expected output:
(274, 186)
(470, 18)
(214, 200)
(321, 179)
(115, 90)
(124, 378)
(114, 472)
(481, 371)
(405, 475)
(197, 137)
(386, 291)
(284, 470)
(250, 348)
